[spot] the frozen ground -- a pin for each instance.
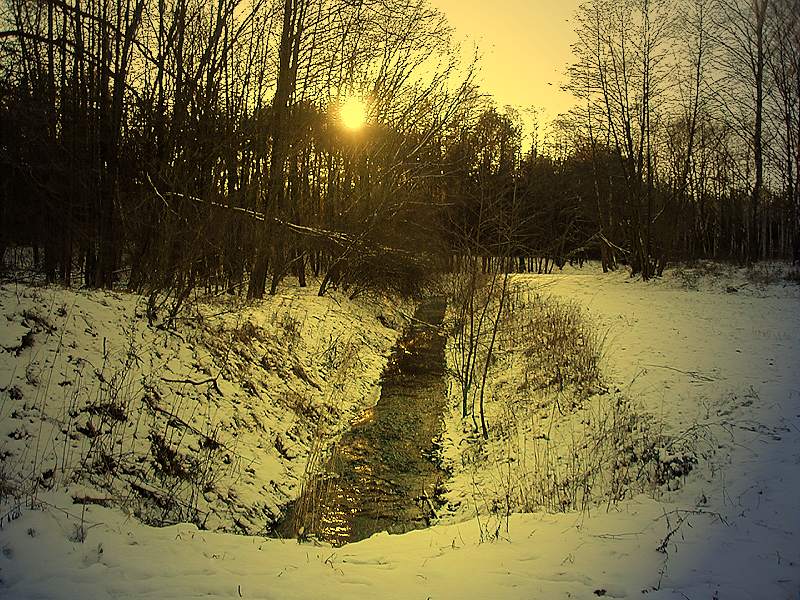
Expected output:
(714, 365)
(213, 420)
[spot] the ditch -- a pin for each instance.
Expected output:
(383, 475)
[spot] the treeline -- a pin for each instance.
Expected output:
(177, 144)
(172, 144)
(683, 144)
(689, 116)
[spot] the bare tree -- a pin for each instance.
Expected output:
(784, 67)
(620, 73)
(741, 33)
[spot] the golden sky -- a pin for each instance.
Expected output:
(525, 45)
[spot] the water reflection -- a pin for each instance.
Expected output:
(365, 417)
(380, 473)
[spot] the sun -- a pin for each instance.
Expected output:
(353, 113)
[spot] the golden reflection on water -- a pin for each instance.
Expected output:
(334, 523)
(376, 474)
(365, 417)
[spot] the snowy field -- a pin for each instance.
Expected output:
(711, 358)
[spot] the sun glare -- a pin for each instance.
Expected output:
(353, 113)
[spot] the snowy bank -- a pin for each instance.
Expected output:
(213, 421)
(717, 366)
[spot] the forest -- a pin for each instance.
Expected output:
(181, 145)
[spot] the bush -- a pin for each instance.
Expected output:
(560, 349)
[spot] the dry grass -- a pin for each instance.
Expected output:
(560, 439)
(559, 348)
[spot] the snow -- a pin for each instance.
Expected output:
(222, 413)
(713, 367)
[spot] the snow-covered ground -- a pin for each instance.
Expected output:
(713, 359)
(212, 421)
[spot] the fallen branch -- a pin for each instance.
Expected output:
(153, 405)
(192, 382)
(682, 516)
(338, 237)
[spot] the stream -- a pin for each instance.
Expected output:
(382, 474)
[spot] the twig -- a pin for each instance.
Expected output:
(156, 408)
(192, 382)
(693, 374)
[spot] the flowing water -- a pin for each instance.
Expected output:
(382, 475)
